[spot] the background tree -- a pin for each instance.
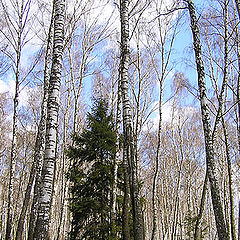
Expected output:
(91, 176)
(14, 37)
(208, 132)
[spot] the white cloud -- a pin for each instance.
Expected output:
(169, 113)
(23, 96)
(167, 109)
(153, 122)
(3, 87)
(10, 87)
(104, 11)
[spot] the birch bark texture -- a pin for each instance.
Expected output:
(12, 164)
(38, 154)
(210, 158)
(129, 150)
(42, 225)
(225, 132)
(36, 167)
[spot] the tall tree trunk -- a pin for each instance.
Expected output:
(178, 181)
(229, 164)
(39, 144)
(156, 173)
(165, 56)
(227, 147)
(238, 105)
(210, 156)
(12, 163)
(117, 160)
(125, 214)
(42, 224)
(130, 149)
(197, 232)
(64, 181)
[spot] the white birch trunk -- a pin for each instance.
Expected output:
(42, 224)
(38, 154)
(227, 146)
(130, 149)
(12, 163)
(117, 155)
(156, 171)
(210, 158)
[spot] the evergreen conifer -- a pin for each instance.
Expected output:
(91, 176)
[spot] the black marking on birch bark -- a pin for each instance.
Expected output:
(211, 168)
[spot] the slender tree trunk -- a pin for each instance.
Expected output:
(155, 179)
(117, 160)
(39, 144)
(161, 76)
(197, 232)
(125, 218)
(40, 141)
(130, 149)
(42, 224)
(176, 209)
(64, 182)
(210, 156)
(238, 105)
(177, 198)
(227, 147)
(12, 163)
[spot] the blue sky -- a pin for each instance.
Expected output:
(182, 44)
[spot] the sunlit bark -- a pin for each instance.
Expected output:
(130, 149)
(35, 173)
(210, 157)
(42, 225)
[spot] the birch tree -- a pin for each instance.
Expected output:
(38, 153)
(129, 148)
(42, 224)
(14, 34)
(5, 145)
(210, 157)
(167, 31)
(221, 62)
(225, 133)
(238, 105)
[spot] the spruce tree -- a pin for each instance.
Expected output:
(91, 175)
